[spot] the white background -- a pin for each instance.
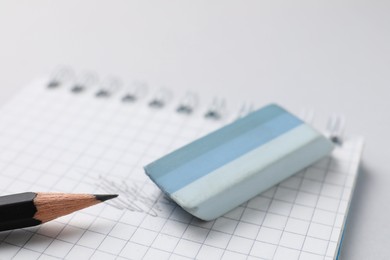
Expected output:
(329, 56)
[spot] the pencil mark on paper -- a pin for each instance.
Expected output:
(132, 197)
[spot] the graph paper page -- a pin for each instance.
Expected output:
(60, 141)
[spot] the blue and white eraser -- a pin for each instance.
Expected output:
(225, 168)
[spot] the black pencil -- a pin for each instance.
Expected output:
(31, 209)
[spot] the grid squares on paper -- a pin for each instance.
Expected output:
(291, 240)
(209, 252)
(217, 239)
(60, 141)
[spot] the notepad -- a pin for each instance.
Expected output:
(96, 138)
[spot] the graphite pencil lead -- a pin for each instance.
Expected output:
(104, 197)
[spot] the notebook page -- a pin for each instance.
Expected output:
(56, 140)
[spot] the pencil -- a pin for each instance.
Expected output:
(31, 209)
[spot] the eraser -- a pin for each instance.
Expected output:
(220, 171)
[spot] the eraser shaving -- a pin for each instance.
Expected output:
(218, 172)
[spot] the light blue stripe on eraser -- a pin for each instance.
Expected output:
(221, 170)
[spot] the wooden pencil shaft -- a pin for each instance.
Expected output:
(53, 205)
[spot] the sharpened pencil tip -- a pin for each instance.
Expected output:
(104, 197)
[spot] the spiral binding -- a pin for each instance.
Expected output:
(83, 81)
(307, 115)
(187, 105)
(245, 109)
(108, 87)
(161, 98)
(134, 92)
(335, 128)
(60, 76)
(216, 110)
